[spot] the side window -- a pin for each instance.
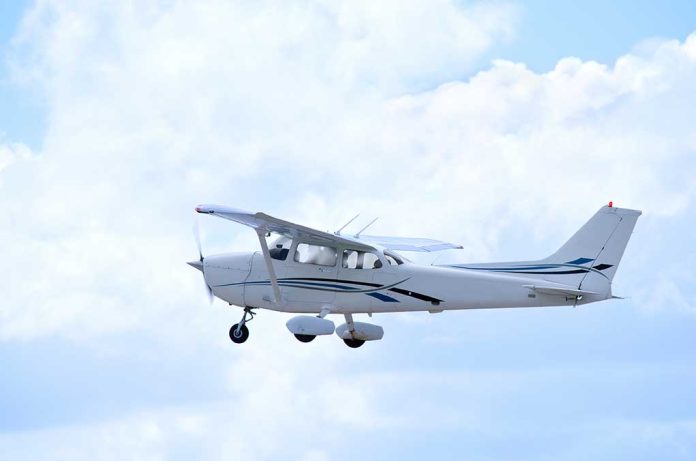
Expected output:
(393, 259)
(350, 259)
(315, 254)
(371, 261)
(354, 259)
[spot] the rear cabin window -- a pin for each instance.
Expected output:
(315, 254)
(354, 259)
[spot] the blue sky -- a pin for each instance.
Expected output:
(481, 123)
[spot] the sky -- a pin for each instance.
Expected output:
(502, 126)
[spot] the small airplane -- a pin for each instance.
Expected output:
(307, 271)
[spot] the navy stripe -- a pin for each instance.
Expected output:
(580, 261)
(601, 267)
(313, 283)
(382, 297)
(577, 271)
(413, 294)
(539, 269)
(367, 284)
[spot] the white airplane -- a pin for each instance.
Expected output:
(307, 271)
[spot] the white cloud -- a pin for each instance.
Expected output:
(145, 105)
(11, 153)
(311, 112)
(152, 111)
(333, 418)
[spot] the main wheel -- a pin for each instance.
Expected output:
(305, 338)
(354, 343)
(239, 335)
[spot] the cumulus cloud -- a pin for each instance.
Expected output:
(332, 418)
(311, 112)
(145, 104)
(12, 152)
(294, 109)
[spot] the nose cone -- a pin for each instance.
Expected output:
(196, 264)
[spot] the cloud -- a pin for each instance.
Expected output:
(487, 411)
(145, 104)
(311, 112)
(152, 111)
(13, 152)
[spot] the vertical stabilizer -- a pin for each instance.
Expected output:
(587, 261)
(598, 245)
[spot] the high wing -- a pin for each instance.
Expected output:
(408, 244)
(265, 223)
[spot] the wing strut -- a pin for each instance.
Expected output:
(269, 265)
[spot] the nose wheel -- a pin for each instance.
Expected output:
(239, 331)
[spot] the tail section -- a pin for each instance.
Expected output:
(598, 245)
(587, 261)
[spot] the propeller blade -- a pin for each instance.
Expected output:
(199, 264)
(197, 236)
(211, 297)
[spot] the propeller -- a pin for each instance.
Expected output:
(199, 264)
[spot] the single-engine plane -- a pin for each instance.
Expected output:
(315, 274)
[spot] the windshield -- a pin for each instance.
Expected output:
(280, 248)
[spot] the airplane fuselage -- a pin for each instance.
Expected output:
(306, 271)
(243, 279)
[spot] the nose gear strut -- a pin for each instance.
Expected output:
(239, 331)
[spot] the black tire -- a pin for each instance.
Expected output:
(305, 338)
(241, 336)
(354, 343)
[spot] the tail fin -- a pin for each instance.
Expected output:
(597, 247)
(587, 261)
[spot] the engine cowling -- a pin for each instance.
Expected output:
(363, 331)
(310, 325)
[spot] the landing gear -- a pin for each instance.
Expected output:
(305, 338)
(239, 331)
(239, 334)
(354, 343)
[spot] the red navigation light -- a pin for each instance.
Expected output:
(611, 204)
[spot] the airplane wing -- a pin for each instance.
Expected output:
(265, 223)
(408, 244)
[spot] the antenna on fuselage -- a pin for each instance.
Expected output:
(338, 232)
(361, 230)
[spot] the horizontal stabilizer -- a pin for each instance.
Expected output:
(559, 291)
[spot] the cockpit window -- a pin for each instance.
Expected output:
(280, 248)
(315, 254)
